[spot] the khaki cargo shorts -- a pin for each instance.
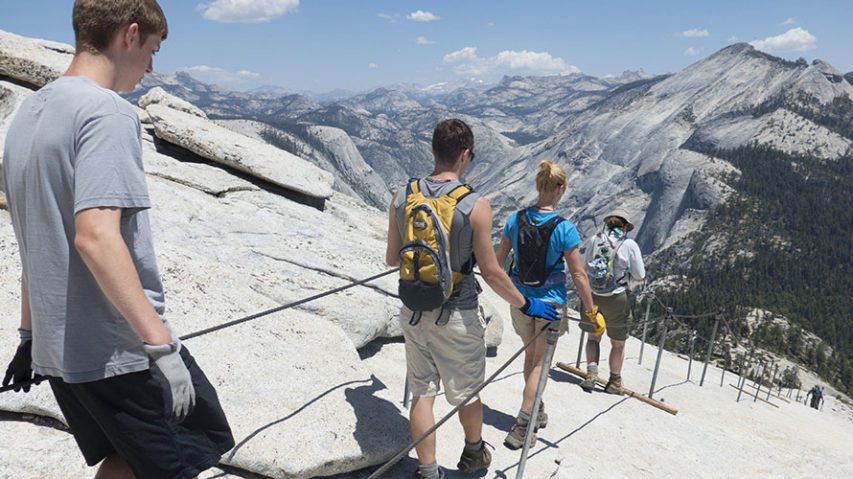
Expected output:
(527, 326)
(617, 315)
(452, 354)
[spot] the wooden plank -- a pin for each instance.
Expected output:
(762, 400)
(627, 392)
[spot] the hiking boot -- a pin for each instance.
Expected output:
(473, 461)
(588, 384)
(515, 439)
(614, 386)
(419, 476)
(542, 418)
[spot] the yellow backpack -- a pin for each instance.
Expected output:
(426, 278)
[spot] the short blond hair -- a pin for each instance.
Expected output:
(550, 177)
(96, 22)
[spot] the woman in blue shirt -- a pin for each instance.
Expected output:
(563, 245)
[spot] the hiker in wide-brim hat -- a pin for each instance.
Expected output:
(621, 214)
(613, 263)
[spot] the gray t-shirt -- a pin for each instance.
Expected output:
(73, 146)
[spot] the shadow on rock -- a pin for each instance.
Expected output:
(291, 415)
(370, 349)
(380, 429)
(497, 419)
(561, 376)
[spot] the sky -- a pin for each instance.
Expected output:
(358, 45)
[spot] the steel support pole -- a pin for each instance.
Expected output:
(710, 351)
(406, 392)
(772, 380)
(690, 360)
(580, 349)
(741, 378)
(645, 329)
(551, 336)
(743, 374)
(760, 371)
(660, 350)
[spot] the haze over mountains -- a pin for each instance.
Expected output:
(623, 139)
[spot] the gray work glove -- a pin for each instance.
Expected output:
(169, 369)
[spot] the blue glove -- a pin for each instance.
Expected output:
(540, 309)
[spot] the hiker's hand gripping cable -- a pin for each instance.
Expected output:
(597, 319)
(540, 309)
(20, 369)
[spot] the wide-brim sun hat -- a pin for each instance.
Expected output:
(620, 213)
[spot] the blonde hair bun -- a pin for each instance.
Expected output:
(550, 176)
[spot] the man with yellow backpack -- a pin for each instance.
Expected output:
(437, 227)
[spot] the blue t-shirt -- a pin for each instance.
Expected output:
(564, 238)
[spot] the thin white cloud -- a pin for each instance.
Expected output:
(695, 33)
(391, 17)
(732, 39)
(221, 76)
(372, 66)
(246, 11)
(422, 16)
(424, 41)
(691, 52)
(467, 63)
(789, 21)
(794, 40)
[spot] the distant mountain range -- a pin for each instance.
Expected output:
(622, 139)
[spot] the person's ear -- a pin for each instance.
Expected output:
(130, 35)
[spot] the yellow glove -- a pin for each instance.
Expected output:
(597, 320)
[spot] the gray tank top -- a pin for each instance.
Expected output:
(461, 235)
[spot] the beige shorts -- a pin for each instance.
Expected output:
(527, 326)
(617, 315)
(452, 354)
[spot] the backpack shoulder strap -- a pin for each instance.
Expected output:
(557, 220)
(414, 186)
(521, 217)
(460, 192)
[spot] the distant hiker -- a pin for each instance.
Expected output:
(612, 260)
(436, 227)
(92, 310)
(816, 393)
(544, 243)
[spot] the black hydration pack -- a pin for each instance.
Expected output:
(532, 254)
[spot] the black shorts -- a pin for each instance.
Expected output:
(126, 415)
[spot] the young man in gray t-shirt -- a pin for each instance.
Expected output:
(91, 296)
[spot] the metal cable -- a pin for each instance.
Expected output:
(241, 320)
